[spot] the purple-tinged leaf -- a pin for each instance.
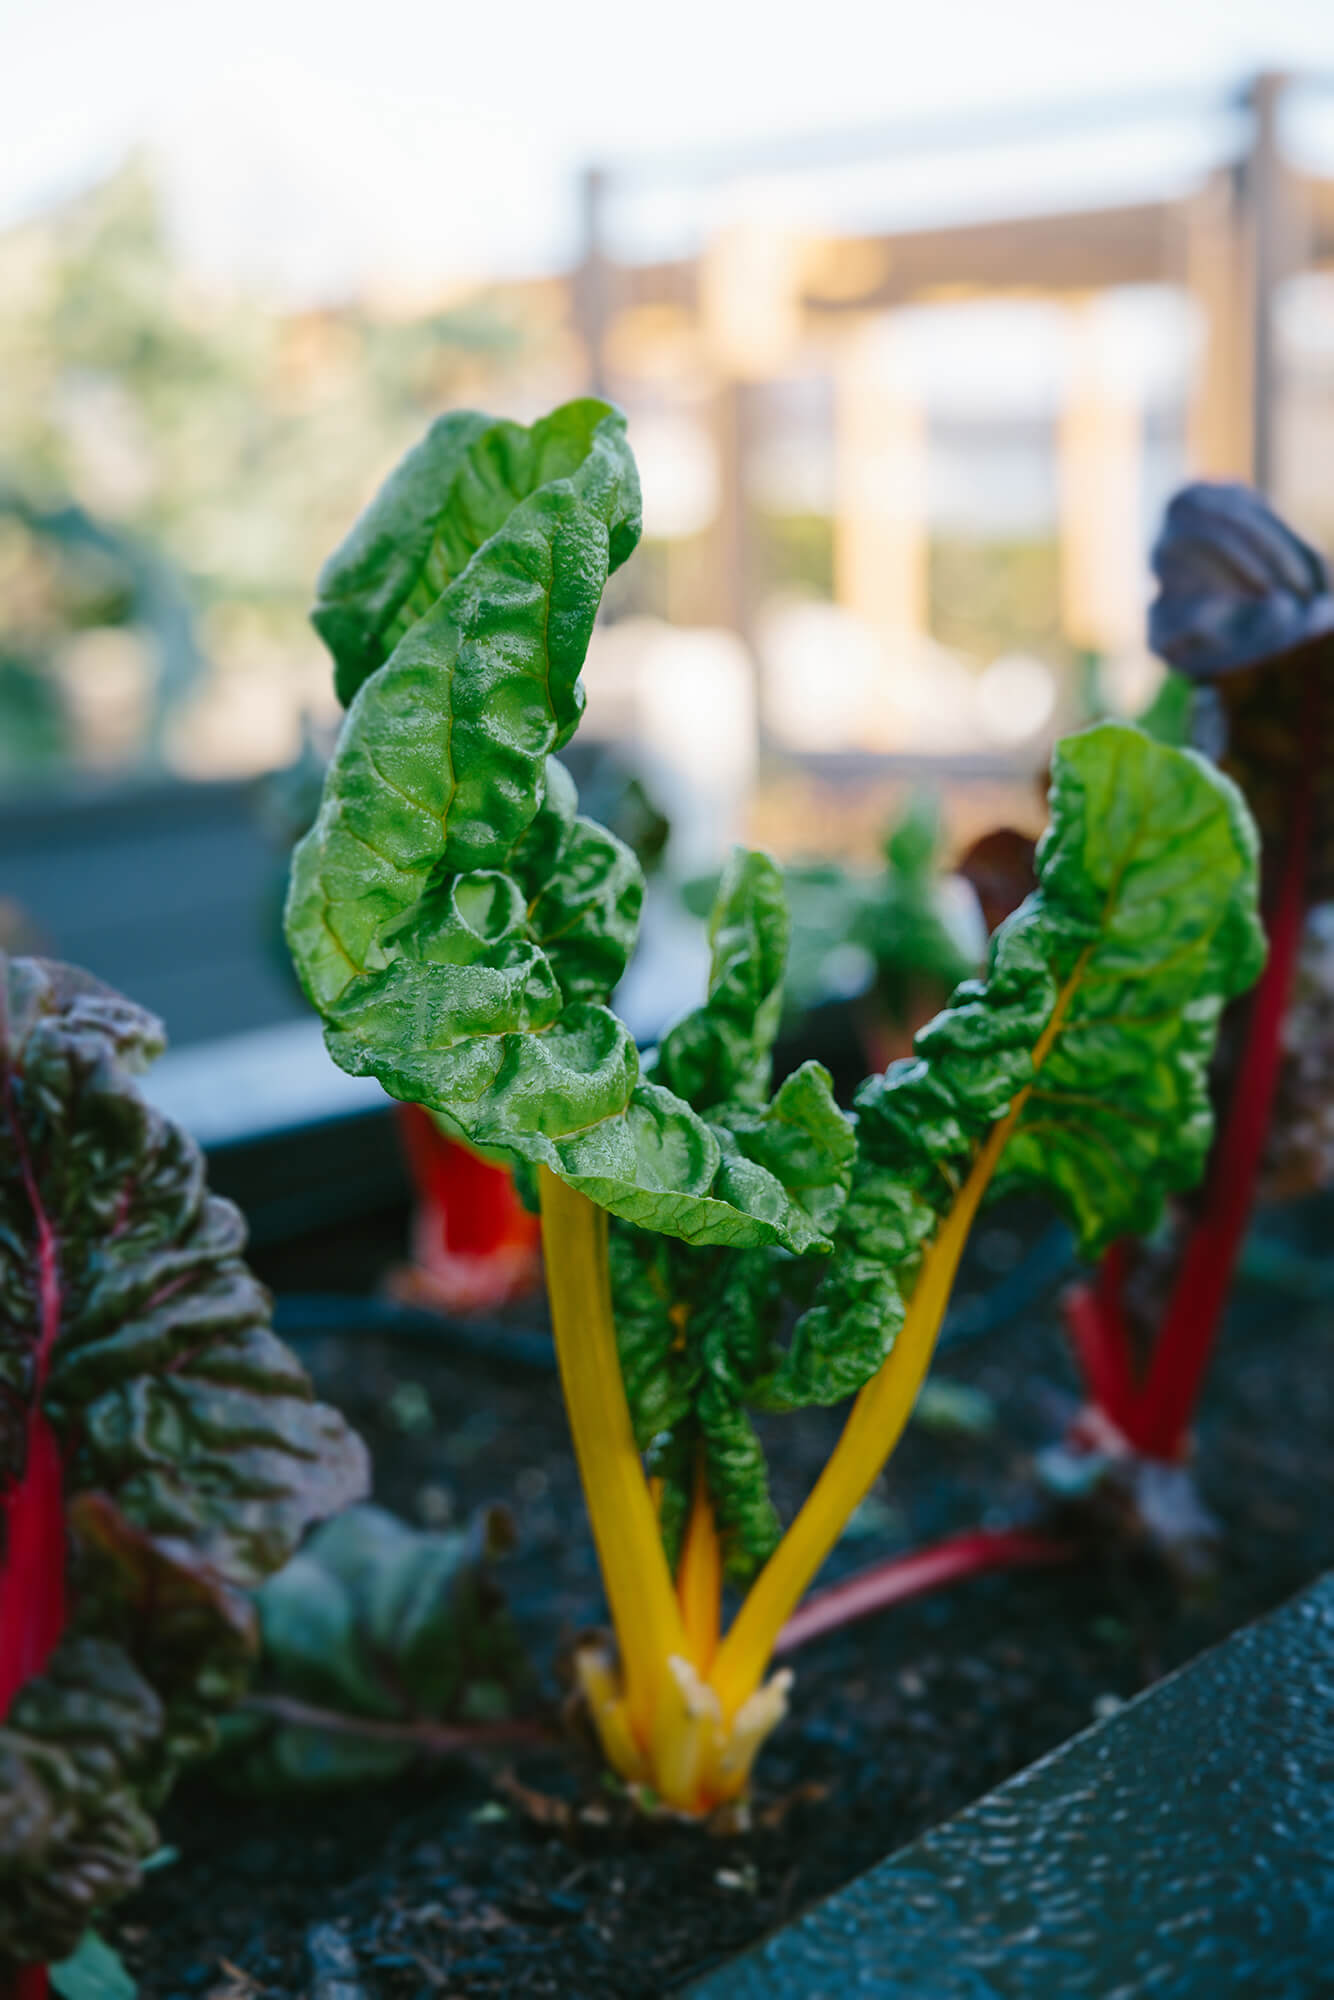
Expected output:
(151, 1423)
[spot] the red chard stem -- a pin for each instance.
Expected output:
(893, 1582)
(32, 1575)
(32, 1555)
(1097, 1327)
(32, 1511)
(1162, 1412)
(29, 1982)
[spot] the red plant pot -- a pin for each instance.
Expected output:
(474, 1245)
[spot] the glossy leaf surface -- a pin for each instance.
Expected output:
(1097, 1018)
(193, 1454)
(457, 923)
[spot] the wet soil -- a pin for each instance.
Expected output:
(450, 1885)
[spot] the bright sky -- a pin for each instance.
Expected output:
(314, 144)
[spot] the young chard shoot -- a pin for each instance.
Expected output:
(460, 927)
(1245, 611)
(382, 1644)
(159, 1454)
(899, 927)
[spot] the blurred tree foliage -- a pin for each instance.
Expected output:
(796, 552)
(996, 596)
(236, 439)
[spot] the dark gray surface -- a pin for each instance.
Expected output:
(1183, 1850)
(170, 893)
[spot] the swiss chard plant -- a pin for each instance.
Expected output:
(382, 1644)
(715, 1249)
(1245, 614)
(892, 937)
(912, 933)
(160, 1453)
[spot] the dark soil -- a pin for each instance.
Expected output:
(448, 1886)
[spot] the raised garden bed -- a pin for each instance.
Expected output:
(1109, 1868)
(460, 929)
(453, 1884)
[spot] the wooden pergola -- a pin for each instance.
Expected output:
(1229, 243)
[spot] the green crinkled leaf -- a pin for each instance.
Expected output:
(377, 1621)
(451, 494)
(194, 1456)
(802, 1139)
(738, 1479)
(720, 1053)
(694, 1328)
(660, 1368)
(1142, 926)
(848, 1329)
(1154, 856)
(457, 924)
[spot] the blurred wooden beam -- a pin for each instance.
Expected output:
(1075, 252)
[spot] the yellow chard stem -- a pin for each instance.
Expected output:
(699, 1576)
(875, 1424)
(638, 1583)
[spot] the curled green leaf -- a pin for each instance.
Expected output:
(372, 1623)
(1096, 1019)
(457, 923)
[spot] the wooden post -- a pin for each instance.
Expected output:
(1218, 252)
(1101, 475)
(880, 444)
(731, 569)
(592, 279)
(1264, 187)
(749, 279)
(1280, 231)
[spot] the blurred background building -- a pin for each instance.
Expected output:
(907, 397)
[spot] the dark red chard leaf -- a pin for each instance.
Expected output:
(1300, 1157)
(1001, 869)
(78, 1757)
(1237, 587)
(151, 1422)
(1245, 609)
(164, 1596)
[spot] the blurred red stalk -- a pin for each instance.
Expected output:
(893, 1582)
